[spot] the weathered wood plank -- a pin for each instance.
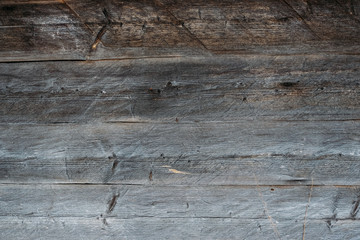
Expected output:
(199, 211)
(131, 201)
(185, 170)
(188, 89)
(50, 30)
(278, 152)
(170, 228)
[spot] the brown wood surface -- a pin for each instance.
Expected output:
(170, 119)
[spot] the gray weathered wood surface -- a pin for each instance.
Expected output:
(166, 119)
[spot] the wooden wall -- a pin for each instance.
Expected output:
(171, 119)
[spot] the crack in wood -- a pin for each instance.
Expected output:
(102, 30)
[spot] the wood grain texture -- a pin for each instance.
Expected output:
(67, 29)
(168, 119)
(201, 228)
(151, 200)
(317, 87)
(44, 211)
(278, 152)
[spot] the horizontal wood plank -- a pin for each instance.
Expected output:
(138, 211)
(135, 201)
(276, 152)
(172, 228)
(315, 87)
(72, 29)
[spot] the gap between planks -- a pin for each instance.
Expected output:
(215, 54)
(180, 185)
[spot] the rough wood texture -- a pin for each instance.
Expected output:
(167, 119)
(274, 152)
(96, 29)
(312, 87)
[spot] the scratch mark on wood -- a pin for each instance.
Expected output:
(76, 15)
(112, 203)
(273, 224)
(355, 208)
(178, 159)
(335, 205)
(246, 29)
(177, 22)
(67, 169)
(307, 207)
(177, 171)
(301, 19)
(328, 222)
